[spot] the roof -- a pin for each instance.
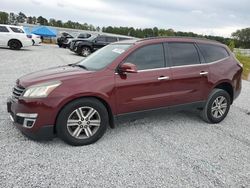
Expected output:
(170, 39)
(44, 31)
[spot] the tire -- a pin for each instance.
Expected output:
(15, 45)
(85, 51)
(76, 128)
(217, 106)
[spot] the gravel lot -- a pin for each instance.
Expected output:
(168, 150)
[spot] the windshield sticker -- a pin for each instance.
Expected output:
(117, 50)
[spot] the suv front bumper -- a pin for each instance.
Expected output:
(24, 118)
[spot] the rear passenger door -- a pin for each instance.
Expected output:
(189, 73)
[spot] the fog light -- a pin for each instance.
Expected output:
(28, 123)
(28, 119)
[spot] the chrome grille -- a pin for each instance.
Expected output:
(17, 91)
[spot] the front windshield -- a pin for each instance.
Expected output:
(103, 57)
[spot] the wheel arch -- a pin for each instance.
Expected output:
(85, 44)
(227, 86)
(104, 102)
(14, 39)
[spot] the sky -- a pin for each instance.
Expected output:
(211, 17)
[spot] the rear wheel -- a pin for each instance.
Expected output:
(217, 106)
(82, 122)
(85, 51)
(15, 45)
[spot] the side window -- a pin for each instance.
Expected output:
(16, 30)
(212, 53)
(101, 39)
(183, 54)
(120, 39)
(3, 29)
(111, 39)
(83, 35)
(148, 57)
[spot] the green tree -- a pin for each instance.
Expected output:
(42, 20)
(21, 17)
(231, 45)
(4, 17)
(243, 37)
(34, 20)
(29, 20)
(59, 23)
(155, 32)
(52, 22)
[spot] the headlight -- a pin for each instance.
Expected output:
(41, 90)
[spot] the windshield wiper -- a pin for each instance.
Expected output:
(78, 65)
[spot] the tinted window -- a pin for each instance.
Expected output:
(84, 35)
(111, 39)
(123, 39)
(101, 39)
(148, 57)
(212, 53)
(183, 54)
(3, 29)
(16, 30)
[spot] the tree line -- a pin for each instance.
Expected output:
(240, 38)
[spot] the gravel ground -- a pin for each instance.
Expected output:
(168, 150)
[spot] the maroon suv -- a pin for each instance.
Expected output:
(78, 101)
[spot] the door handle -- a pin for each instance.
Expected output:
(203, 73)
(163, 78)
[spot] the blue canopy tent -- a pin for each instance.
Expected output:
(27, 30)
(44, 31)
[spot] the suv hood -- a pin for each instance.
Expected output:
(57, 73)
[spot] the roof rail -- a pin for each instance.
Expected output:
(162, 37)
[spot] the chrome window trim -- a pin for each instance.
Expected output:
(185, 65)
(213, 62)
(147, 70)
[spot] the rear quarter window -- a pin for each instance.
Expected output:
(3, 29)
(212, 53)
(111, 39)
(16, 30)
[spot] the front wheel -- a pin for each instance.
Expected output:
(217, 106)
(82, 122)
(85, 51)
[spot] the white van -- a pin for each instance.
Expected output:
(14, 37)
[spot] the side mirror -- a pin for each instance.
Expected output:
(128, 68)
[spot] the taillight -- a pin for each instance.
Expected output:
(29, 36)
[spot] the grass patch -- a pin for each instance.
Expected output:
(245, 61)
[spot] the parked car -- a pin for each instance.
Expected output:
(36, 39)
(14, 37)
(85, 47)
(64, 40)
(78, 101)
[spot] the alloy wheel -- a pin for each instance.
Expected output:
(219, 107)
(85, 51)
(83, 122)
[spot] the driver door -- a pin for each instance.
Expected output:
(149, 88)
